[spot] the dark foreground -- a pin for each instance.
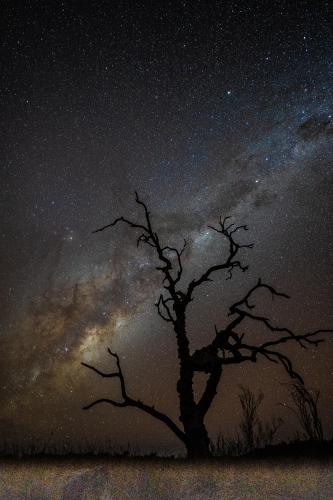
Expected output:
(108, 478)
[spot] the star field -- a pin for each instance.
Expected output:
(204, 108)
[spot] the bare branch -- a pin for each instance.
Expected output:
(305, 337)
(235, 265)
(151, 238)
(178, 254)
(161, 301)
(270, 354)
(102, 374)
(210, 390)
(235, 309)
(147, 214)
(229, 264)
(267, 323)
(236, 349)
(129, 402)
(119, 404)
(121, 219)
(258, 285)
(306, 409)
(286, 363)
(145, 239)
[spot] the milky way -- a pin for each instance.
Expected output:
(204, 108)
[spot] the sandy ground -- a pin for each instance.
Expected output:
(163, 479)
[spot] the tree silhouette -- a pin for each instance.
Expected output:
(306, 410)
(228, 346)
(255, 433)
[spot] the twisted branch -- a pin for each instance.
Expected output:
(128, 401)
(235, 351)
(163, 302)
(150, 237)
(229, 264)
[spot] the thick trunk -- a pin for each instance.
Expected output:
(196, 437)
(197, 442)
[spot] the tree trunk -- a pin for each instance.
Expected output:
(196, 437)
(197, 441)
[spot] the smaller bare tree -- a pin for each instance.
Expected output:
(306, 409)
(255, 433)
(250, 404)
(266, 433)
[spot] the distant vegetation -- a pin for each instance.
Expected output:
(253, 438)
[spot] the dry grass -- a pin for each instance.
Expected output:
(97, 478)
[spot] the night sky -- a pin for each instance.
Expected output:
(206, 109)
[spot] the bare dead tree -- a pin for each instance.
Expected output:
(250, 420)
(255, 433)
(228, 346)
(266, 432)
(306, 410)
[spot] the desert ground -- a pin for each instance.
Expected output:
(107, 478)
